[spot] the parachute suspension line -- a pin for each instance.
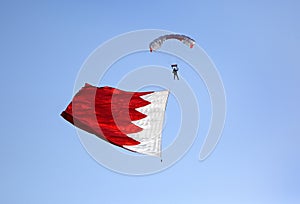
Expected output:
(158, 42)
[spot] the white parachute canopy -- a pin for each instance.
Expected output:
(157, 43)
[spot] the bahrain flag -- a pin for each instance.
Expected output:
(131, 120)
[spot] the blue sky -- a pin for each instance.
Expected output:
(254, 45)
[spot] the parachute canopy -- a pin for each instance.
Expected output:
(157, 43)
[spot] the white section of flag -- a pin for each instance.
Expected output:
(150, 136)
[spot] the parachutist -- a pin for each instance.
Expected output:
(175, 70)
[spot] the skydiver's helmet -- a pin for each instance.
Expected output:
(174, 67)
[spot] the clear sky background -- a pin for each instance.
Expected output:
(255, 46)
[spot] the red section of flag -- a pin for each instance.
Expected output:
(107, 112)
